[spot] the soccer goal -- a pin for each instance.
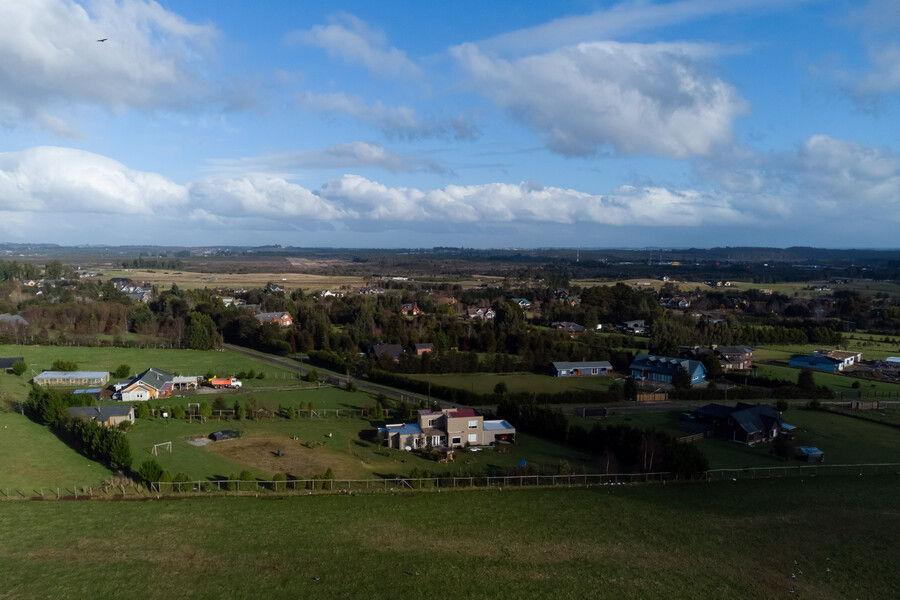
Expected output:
(165, 446)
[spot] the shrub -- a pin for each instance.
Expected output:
(351, 385)
(180, 479)
(19, 367)
(312, 376)
(64, 365)
(251, 374)
(240, 413)
(248, 480)
(278, 481)
(122, 371)
(261, 375)
(142, 411)
(178, 412)
(205, 410)
(150, 471)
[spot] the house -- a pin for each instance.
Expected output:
(636, 327)
(410, 310)
(282, 319)
(274, 287)
(819, 363)
(447, 428)
(731, 358)
(581, 369)
(149, 385)
(522, 302)
(327, 294)
(105, 415)
(847, 358)
(664, 368)
(744, 423)
(480, 313)
(371, 291)
(72, 378)
(393, 351)
(423, 348)
(140, 297)
(10, 320)
(573, 329)
(676, 302)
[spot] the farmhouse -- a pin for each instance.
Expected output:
(663, 368)
(847, 358)
(581, 369)
(151, 384)
(392, 351)
(820, 363)
(483, 313)
(573, 329)
(410, 310)
(283, 319)
(72, 378)
(105, 415)
(447, 428)
(744, 423)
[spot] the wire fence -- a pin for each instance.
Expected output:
(218, 487)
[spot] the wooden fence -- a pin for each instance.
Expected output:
(398, 484)
(657, 397)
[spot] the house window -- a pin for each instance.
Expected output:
(456, 441)
(416, 442)
(436, 440)
(473, 424)
(593, 371)
(473, 438)
(430, 423)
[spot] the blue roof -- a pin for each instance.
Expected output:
(501, 424)
(405, 429)
(809, 450)
(72, 375)
(787, 427)
(90, 391)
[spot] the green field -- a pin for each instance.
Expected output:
(844, 440)
(185, 362)
(839, 383)
(484, 383)
(711, 540)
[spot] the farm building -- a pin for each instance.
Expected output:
(810, 454)
(447, 428)
(105, 415)
(581, 369)
(820, 363)
(7, 363)
(744, 423)
(663, 368)
(573, 329)
(151, 384)
(90, 392)
(847, 358)
(186, 382)
(282, 319)
(72, 378)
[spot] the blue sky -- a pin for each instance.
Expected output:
(481, 124)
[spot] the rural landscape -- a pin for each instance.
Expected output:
(521, 300)
(594, 417)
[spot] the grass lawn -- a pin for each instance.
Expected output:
(839, 383)
(33, 457)
(186, 362)
(718, 540)
(844, 440)
(484, 383)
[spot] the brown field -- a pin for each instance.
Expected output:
(260, 453)
(192, 279)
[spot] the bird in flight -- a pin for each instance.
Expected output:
(103, 40)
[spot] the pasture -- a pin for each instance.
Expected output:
(291, 279)
(745, 539)
(484, 383)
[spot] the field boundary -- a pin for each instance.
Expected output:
(215, 488)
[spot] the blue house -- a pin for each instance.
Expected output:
(664, 368)
(814, 361)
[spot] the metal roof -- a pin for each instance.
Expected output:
(101, 413)
(405, 429)
(498, 425)
(72, 375)
(589, 364)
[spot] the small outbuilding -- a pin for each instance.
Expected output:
(810, 454)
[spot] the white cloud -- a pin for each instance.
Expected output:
(637, 98)
(64, 180)
(49, 59)
(621, 20)
(262, 196)
(353, 155)
(395, 122)
(352, 40)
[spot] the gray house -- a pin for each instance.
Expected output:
(581, 369)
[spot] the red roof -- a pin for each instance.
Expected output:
(464, 412)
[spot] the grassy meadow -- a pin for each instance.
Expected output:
(484, 383)
(836, 536)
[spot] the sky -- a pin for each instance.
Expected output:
(594, 124)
